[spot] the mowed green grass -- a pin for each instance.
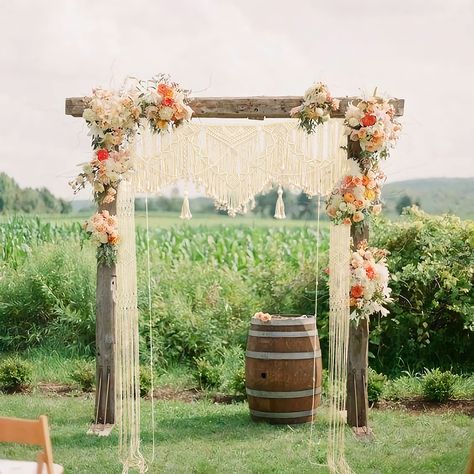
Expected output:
(205, 438)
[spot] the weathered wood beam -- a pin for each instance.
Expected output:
(241, 107)
(105, 338)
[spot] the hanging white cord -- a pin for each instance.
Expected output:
(318, 241)
(150, 329)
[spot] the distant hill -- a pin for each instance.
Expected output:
(435, 195)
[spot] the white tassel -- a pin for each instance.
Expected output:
(280, 205)
(185, 211)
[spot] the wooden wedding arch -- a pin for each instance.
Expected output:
(256, 108)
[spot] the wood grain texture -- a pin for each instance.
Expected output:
(357, 403)
(242, 107)
(282, 375)
(105, 339)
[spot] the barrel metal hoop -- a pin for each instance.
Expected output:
(283, 334)
(290, 414)
(284, 322)
(284, 355)
(294, 394)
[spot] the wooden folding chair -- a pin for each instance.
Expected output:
(35, 432)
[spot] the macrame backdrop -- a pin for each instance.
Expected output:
(235, 162)
(232, 163)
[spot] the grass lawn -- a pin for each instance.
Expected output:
(202, 437)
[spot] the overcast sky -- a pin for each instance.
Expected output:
(420, 50)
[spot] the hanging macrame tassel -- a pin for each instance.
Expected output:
(280, 205)
(185, 211)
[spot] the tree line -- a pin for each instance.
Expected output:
(13, 198)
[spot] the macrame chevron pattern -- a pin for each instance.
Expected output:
(234, 162)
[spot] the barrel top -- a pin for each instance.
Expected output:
(283, 320)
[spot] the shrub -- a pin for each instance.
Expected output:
(84, 375)
(438, 386)
(50, 298)
(145, 381)
(15, 375)
(375, 385)
(222, 369)
(431, 321)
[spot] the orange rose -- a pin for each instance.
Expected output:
(347, 221)
(349, 197)
(165, 90)
(365, 180)
(370, 272)
(357, 291)
(358, 203)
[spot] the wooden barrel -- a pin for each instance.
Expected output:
(279, 369)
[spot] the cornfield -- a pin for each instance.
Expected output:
(235, 247)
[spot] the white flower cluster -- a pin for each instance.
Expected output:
(111, 117)
(369, 282)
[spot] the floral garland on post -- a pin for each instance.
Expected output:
(316, 107)
(356, 197)
(369, 282)
(102, 231)
(113, 119)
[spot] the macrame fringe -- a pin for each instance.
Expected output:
(233, 163)
(126, 336)
(280, 205)
(185, 211)
(339, 311)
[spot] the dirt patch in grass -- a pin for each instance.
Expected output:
(55, 388)
(419, 405)
(167, 393)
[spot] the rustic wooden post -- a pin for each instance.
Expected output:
(105, 338)
(357, 403)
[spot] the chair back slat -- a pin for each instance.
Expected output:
(16, 430)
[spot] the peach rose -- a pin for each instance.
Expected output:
(358, 217)
(349, 197)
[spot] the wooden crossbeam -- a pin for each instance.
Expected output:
(242, 107)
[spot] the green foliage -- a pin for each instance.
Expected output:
(438, 386)
(375, 385)
(49, 300)
(13, 198)
(431, 321)
(15, 375)
(145, 381)
(83, 375)
(222, 370)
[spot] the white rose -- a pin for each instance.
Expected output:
(343, 206)
(166, 113)
(320, 98)
(351, 208)
(88, 115)
(353, 122)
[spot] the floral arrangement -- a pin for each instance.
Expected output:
(112, 117)
(164, 103)
(372, 123)
(104, 173)
(265, 317)
(316, 107)
(356, 197)
(102, 230)
(369, 291)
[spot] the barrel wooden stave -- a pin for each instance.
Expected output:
(286, 375)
